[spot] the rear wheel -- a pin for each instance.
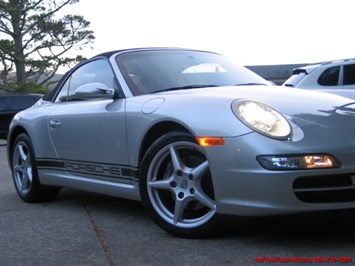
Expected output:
(25, 175)
(176, 186)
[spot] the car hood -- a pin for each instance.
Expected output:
(302, 107)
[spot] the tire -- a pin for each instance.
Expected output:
(176, 187)
(25, 175)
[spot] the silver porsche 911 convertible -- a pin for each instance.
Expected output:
(191, 135)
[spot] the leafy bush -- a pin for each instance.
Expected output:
(31, 87)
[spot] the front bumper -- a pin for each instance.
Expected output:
(243, 187)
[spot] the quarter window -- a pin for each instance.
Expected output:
(330, 77)
(349, 74)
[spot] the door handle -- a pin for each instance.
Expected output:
(54, 123)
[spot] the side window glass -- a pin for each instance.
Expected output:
(63, 94)
(330, 77)
(349, 74)
(22, 102)
(98, 71)
(2, 104)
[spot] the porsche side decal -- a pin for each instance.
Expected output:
(90, 169)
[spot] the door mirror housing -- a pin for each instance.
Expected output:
(94, 91)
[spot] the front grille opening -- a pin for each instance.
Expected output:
(323, 181)
(325, 189)
(327, 196)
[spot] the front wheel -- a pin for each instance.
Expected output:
(176, 186)
(24, 172)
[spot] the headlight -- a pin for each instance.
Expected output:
(262, 119)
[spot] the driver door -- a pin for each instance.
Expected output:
(89, 136)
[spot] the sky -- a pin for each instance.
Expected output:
(250, 32)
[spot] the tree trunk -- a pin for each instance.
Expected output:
(19, 57)
(20, 64)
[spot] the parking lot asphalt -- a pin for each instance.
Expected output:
(73, 229)
(80, 228)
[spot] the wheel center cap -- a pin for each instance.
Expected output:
(183, 184)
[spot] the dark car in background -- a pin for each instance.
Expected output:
(10, 104)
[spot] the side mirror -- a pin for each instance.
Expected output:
(93, 91)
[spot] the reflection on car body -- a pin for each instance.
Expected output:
(174, 129)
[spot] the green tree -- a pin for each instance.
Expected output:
(31, 87)
(36, 42)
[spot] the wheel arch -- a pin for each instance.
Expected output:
(156, 132)
(11, 140)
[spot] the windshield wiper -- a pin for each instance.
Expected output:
(250, 84)
(187, 87)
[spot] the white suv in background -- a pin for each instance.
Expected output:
(337, 77)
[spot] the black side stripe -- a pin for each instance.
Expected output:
(90, 168)
(50, 164)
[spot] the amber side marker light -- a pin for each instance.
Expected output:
(210, 141)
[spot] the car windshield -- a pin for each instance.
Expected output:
(165, 70)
